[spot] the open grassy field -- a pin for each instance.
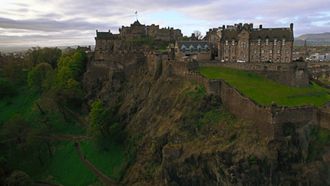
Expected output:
(265, 91)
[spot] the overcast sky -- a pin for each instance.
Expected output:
(73, 22)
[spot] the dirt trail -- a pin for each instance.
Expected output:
(103, 178)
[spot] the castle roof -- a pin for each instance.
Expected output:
(193, 44)
(259, 33)
(229, 34)
(136, 23)
(105, 35)
(272, 33)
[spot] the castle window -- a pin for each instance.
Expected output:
(183, 48)
(283, 42)
(233, 42)
(199, 47)
(259, 41)
(266, 41)
(191, 47)
(226, 42)
(275, 41)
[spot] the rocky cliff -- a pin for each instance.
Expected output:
(182, 136)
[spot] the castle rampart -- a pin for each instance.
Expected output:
(268, 119)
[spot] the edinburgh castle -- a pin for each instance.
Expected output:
(231, 43)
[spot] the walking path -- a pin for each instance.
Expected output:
(103, 178)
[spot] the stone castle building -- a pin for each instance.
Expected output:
(243, 43)
(108, 43)
(196, 49)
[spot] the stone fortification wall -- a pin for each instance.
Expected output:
(245, 108)
(268, 119)
(324, 118)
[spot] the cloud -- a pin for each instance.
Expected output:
(48, 25)
(57, 19)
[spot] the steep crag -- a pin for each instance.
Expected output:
(182, 136)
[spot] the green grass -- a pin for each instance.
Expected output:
(64, 167)
(110, 162)
(265, 91)
(67, 169)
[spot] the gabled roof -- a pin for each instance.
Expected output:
(193, 43)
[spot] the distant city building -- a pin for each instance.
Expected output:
(319, 57)
(243, 43)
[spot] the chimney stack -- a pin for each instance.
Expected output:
(291, 26)
(260, 26)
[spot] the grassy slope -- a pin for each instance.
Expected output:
(110, 162)
(64, 167)
(265, 91)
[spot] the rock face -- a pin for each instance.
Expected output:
(182, 136)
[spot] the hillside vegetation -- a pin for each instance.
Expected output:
(265, 91)
(41, 122)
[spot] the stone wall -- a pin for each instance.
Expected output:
(324, 118)
(268, 119)
(319, 69)
(292, 74)
(244, 108)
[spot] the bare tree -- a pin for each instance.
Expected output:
(198, 34)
